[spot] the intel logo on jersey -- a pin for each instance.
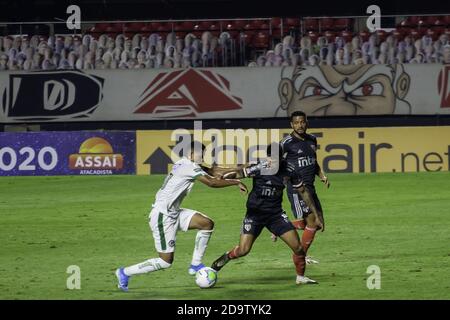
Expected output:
(306, 161)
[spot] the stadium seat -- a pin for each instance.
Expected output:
(447, 21)
(178, 26)
(411, 22)
(291, 26)
(421, 23)
(256, 24)
(311, 24)
(114, 28)
(228, 26)
(432, 21)
(261, 40)
(136, 26)
(276, 28)
(126, 28)
(155, 25)
(265, 25)
(204, 25)
(239, 24)
(214, 26)
(246, 37)
(146, 28)
(275, 23)
(162, 27)
(100, 27)
(343, 24)
(248, 26)
(326, 24)
(186, 26)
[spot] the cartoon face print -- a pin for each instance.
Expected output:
(345, 90)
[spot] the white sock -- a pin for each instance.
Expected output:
(150, 265)
(201, 242)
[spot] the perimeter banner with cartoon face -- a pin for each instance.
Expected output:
(67, 153)
(224, 93)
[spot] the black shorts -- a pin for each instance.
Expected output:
(255, 221)
(299, 208)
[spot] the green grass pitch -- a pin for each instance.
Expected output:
(400, 222)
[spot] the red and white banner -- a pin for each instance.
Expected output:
(223, 93)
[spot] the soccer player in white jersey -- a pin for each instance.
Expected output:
(167, 217)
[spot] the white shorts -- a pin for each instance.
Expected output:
(164, 228)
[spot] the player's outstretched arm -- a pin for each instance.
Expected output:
(224, 172)
(239, 172)
(213, 182)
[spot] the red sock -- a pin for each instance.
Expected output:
(299, 262)
(232, 254)
(307, 238)
(299, 224)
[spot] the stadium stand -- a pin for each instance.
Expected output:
(212, 43)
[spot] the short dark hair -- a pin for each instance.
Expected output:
(297, 114)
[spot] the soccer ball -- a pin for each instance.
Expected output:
(206, 277)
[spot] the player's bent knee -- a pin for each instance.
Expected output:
(311, 221)
(299, 251)
(208, 224)
(164, 264)
(315, 225)
(167, 258)
(201, 222)
(312, 225)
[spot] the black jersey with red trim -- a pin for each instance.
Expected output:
(301, 154)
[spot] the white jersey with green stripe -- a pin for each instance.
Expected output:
(176, 186)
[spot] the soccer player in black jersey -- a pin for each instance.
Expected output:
(299, 150)
(264, 209)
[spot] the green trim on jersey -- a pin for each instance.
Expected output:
(161, 231)
(199, 174)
